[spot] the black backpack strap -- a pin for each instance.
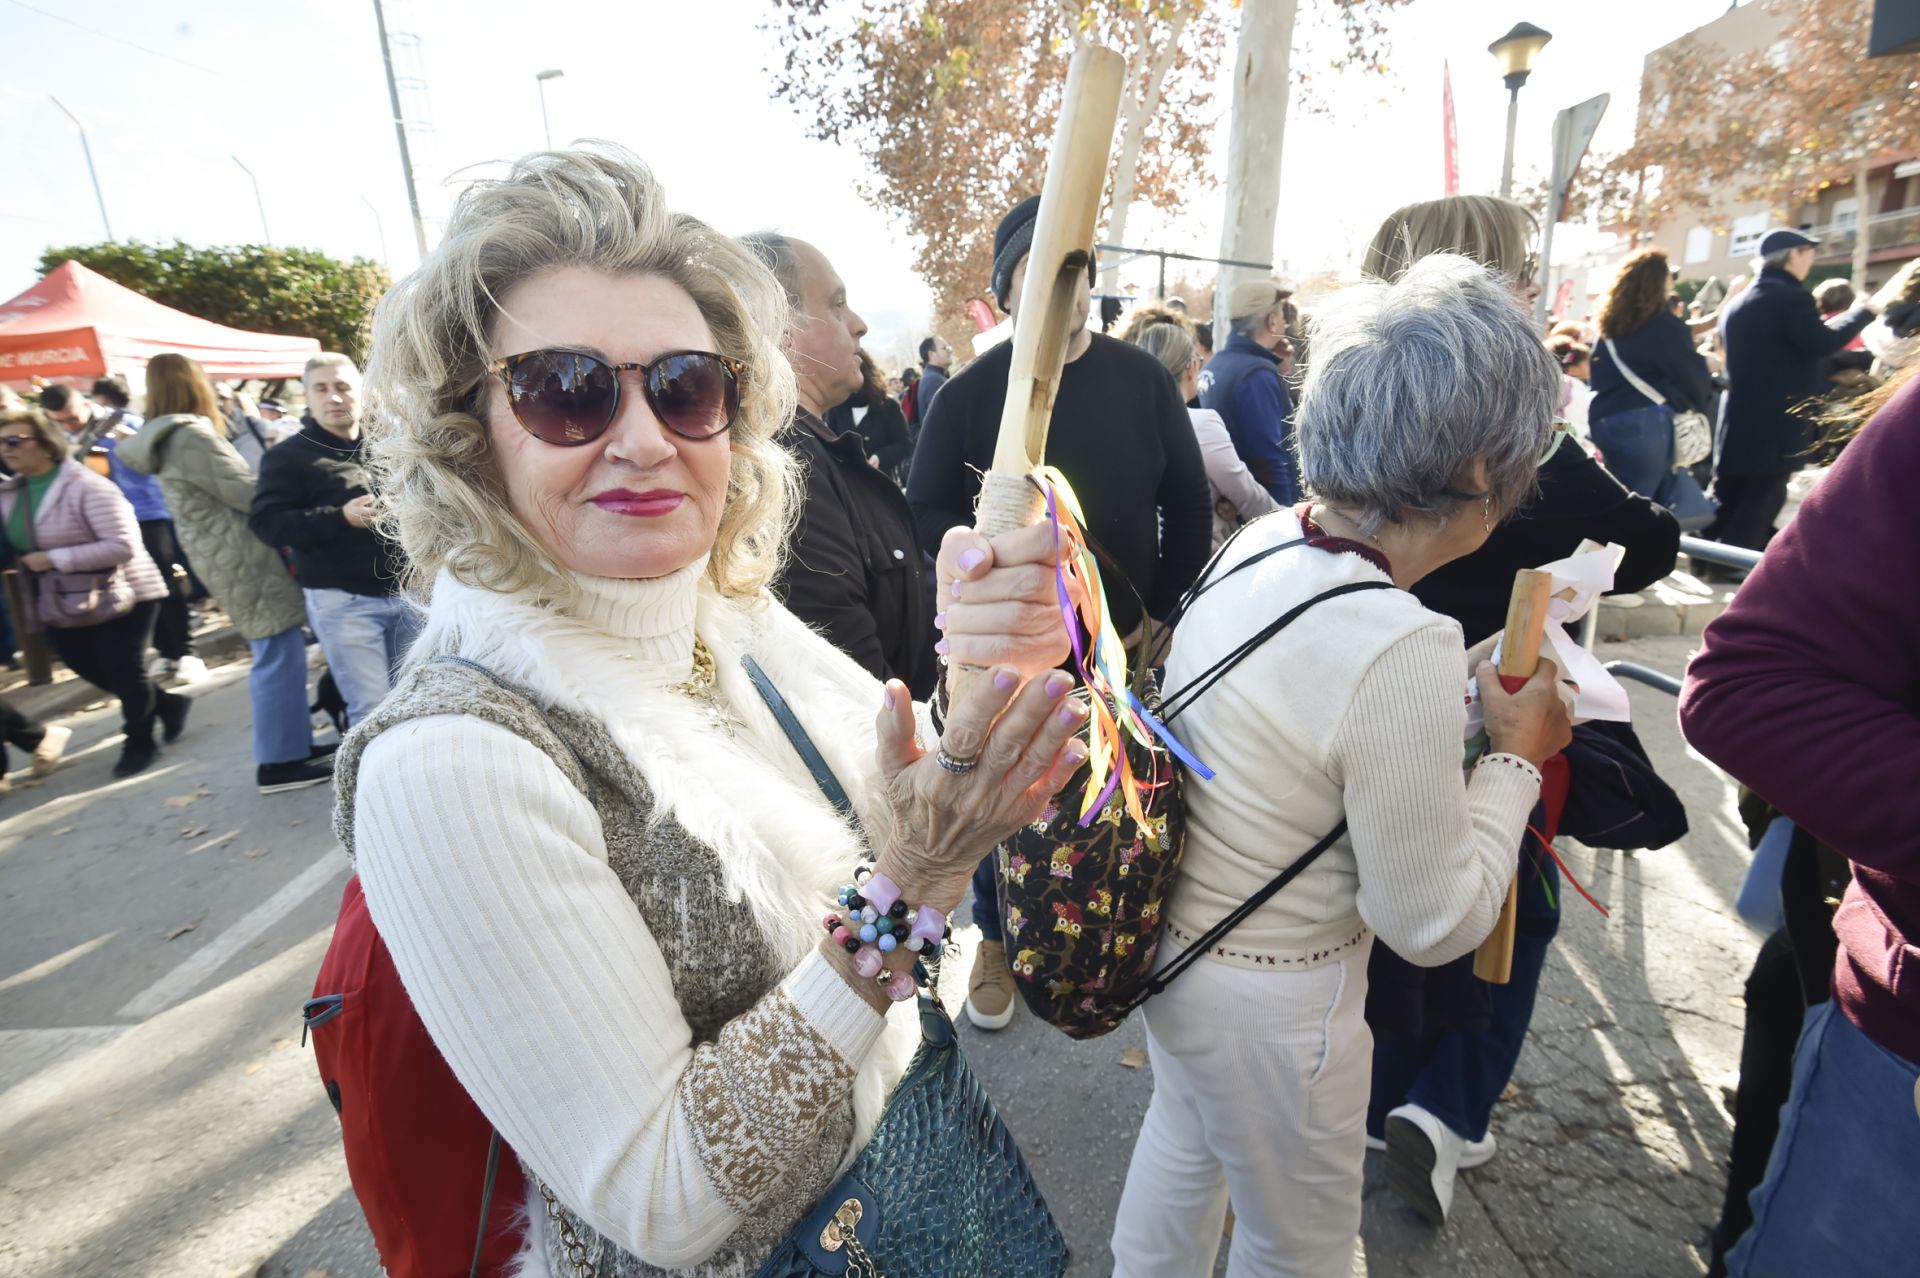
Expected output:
(1179, 701)
(486, 1202)
(1240, 913)
(802, 743)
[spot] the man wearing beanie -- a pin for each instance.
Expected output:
(1242, 383)
(1121, 436)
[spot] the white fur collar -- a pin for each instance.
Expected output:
(746, 794)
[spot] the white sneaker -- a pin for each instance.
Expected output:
(1423, 1154)
(46, 755)
(162, 670)
(1376, 1144)
(190, 669)
(1477, 1153)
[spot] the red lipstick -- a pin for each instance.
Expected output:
(648, 505)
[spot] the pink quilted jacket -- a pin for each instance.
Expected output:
(85, 524)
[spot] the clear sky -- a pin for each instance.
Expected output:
(294, 88)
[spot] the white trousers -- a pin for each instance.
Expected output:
(1260, 1084)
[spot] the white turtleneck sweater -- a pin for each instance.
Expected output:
(522, 943)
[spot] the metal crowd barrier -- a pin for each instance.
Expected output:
(1698, 548)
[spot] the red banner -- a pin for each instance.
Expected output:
(1449, 132)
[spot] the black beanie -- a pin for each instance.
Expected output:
(1012, 240)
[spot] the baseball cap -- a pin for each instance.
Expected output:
(1255, 297)
(1782, 239)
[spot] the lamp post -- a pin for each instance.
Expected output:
(1516, 51)
(87, 150)
(540, 78)
(262, 204)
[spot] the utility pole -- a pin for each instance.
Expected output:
(87, 149)
(400, 130)
(262, 204)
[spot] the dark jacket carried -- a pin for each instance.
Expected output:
(1242, 383)
(1661, 353)
(1775, 342)
(304, 484)
(854, 570)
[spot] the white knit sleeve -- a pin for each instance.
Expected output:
(486, 872)
(1435, 850)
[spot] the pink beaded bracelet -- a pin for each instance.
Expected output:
(877, 923)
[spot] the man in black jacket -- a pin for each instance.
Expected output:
(1775, 344)
(854, 568)
(312, 498)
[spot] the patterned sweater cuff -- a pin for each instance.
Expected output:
(1509, 776)
(847, 1021)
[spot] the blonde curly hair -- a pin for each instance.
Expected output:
(599, 207)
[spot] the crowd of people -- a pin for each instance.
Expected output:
(612, 475)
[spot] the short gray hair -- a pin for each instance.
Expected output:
(1776, 259)
(1414, 382)
(325, 359)
(1248, 325)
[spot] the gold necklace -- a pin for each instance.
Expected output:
(705, 675)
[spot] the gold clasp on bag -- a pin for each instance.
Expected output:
(839, 1232)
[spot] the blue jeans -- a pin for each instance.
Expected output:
(986, 898)
(282, 730)
(1845, 1171)
(1457, 1075)
(1638, 445)
(365, 637)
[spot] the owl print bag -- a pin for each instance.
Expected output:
(1083, 889)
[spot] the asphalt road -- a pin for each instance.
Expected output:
(159, 1117)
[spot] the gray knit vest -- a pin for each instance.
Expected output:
(719, 960)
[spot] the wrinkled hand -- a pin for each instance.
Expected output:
(37, 561)
(1532, 723)
(998, 603)
(943, 822)
(361, 510)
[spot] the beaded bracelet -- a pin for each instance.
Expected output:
(877, 923)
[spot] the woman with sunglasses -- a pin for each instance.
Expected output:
(95, 591)
(598, 859)
(1445, 1044)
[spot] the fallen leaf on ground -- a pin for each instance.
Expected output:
(193, 831)
(182, 930)
(255, 853)
(219, 841)
(65, 829)
(1133, 1058)
(296, 823)
(252, 1069)
(185, 800)
(316, 1273)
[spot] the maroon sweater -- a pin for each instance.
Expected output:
(1808, 689)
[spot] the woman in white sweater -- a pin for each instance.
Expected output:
(1424, 415)
(598, 862)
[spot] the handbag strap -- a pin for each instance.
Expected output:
(1182, 700)
(486, 1201)
(1633, 378)
(1240, 913)
(797, 735)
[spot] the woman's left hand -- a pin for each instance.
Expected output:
(37, 561)
(998, 603)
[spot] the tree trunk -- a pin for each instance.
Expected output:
(1262, 80)
(1862, 229)
(1136, 109)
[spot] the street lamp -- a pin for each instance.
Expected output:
(1516, 51)
(262, 204)
(88, 151)
(541, 78)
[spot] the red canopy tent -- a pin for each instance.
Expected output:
(78, 323)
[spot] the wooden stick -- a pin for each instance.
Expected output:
(1519, 658)
(1062, 249)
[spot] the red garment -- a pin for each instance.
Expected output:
(1808, 690)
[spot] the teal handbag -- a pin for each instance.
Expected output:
(941, 1190)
